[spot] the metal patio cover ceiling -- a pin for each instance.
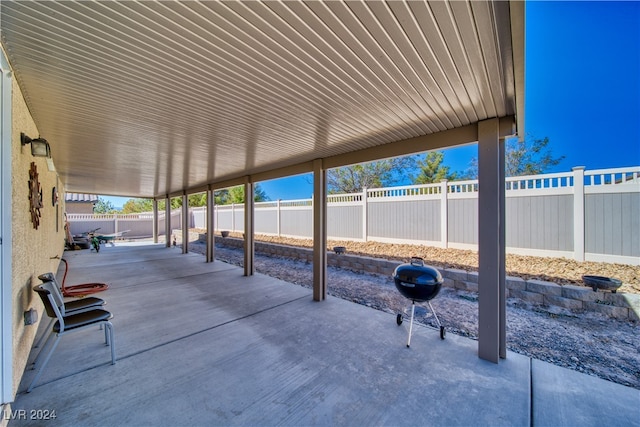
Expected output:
(151, 98)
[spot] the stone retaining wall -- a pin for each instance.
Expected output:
(577, 299)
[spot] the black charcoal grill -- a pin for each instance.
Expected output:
(419, 283)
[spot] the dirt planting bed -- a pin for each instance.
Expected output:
(561, 271)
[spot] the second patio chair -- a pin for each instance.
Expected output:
(77, 305)
(65, 324)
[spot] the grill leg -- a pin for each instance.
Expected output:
(434, 314)
(413, 310)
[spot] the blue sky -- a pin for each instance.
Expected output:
(582, 89)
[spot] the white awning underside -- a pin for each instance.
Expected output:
(152, 98)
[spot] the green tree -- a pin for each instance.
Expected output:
(236, 195)
(146, 205)
(222, 197)
(175, 202)
(197, 200)
(103, 206)
(381, 173)
(431, 169)
(137, 206)
(527, 156)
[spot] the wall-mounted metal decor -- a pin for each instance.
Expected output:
(54, 197)
(35, 196)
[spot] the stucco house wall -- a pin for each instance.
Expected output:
(35, 251)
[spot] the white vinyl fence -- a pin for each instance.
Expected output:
(585, 215)
(136, 225)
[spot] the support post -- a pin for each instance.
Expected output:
(185, 223)
(502, 250)
(249, 243)
(319, 231)
(211, 227)
(167, 221)
(491, 289)
(155, 220)
(578, 213)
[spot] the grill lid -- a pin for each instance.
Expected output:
(416, 273)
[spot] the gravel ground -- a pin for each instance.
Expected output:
(587, 343)
(562, 271)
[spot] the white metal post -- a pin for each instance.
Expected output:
(578, 213)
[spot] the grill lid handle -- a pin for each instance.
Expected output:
(416, 260)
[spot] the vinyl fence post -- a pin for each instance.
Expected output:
(365, 214)
(278, 218)
(233, 217)
(578, 213)
(444, 214)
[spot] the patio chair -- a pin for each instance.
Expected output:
(67, 324)
(77, 305)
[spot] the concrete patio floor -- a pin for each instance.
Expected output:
(199, 344)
